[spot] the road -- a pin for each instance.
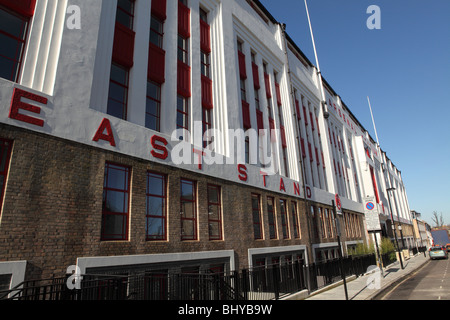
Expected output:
(431, 282)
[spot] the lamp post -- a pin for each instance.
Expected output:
(338, 235)
(393, 224)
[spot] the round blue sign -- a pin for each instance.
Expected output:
(370, 206)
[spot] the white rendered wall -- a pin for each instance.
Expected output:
(71, 68)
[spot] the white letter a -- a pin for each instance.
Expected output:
(74, 21)
(374, 21)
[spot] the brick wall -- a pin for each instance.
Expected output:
(52, 209)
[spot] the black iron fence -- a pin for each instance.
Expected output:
(416, 250)
(258, 283)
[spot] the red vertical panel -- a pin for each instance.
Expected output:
(303, 147)
(312, 121)
(23, 7)
(305, 115)
(278, 93)
(310, 152)
(255, 71)
(272, 127)
(374, 183)
(123, 49)
(184, 14)
(283, 137)
(246, 115)
(207, 101)
(183, 79)
(242, 70)
(205, 38)
(318, 129)
(297, 106)
(267, 84)
(323, 161)
(159, 9)
(156, 63)
(259, 118)
(317, 156)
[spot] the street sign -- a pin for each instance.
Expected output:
(371, 214)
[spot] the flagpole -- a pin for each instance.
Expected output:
(373, 121)
(317, 61)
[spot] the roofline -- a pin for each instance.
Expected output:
(289, 39)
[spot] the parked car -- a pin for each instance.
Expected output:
(437, 252)
(448, 247)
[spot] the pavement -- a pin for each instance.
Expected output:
(368, 286)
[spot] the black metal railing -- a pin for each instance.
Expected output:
(258, 283)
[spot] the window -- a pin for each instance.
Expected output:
(156, 213)
(256, 212)
(257, 103)
(116, 196)
(5, 156)
(206, 125)
(13, 33)
(206, 64)
(272, 218)
(188, 210)
(294, 217)
(125, 13)
(118, 91)
(183, 74)
(315, 231)
(284, 219)
(243, 90)
(156, 32)
(203, 15)
(247, 149)
(329, 214)
(206, 82)
(322, 222)
(214, 213)
(153, 106)
(240, 45)
(183, 49)
(182, 113)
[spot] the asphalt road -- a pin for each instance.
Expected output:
(431, 282)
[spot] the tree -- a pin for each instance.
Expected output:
(438, 220)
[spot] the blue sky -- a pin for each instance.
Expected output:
(404, 68)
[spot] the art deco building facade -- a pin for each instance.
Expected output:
(137, 134)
